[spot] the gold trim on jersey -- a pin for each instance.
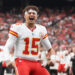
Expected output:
(13, 33)
(45, 36)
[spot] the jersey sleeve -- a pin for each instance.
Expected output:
(45, 41)
(8, 46)
(13, 35)
(13, 31)
(44, 31)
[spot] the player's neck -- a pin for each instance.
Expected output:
(30, 25)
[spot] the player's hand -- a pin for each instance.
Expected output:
(40, 61)
(50, 63)
(12, 65)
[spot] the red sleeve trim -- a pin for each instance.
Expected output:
(13, 33)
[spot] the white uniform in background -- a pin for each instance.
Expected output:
(56, 59)
(63, 65)
(61, 55)
(1, 54)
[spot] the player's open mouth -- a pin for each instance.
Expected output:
(31, 18)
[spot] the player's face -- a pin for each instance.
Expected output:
(30, 17)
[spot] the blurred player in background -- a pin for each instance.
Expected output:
(26, 38)
(62, 60)
(73, 59)
(2, 59)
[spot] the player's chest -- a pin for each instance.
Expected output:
(24, 33)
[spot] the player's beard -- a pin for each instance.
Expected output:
(31, 23)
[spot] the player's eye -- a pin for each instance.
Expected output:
(33, 13)
(29, 12)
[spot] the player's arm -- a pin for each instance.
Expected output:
(51, 52)
(46, 43)
(13, 35)
(8, 46)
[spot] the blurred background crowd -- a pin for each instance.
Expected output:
(58, 18)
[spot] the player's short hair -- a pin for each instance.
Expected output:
(31, 7)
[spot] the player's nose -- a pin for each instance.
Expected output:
(31, 14)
